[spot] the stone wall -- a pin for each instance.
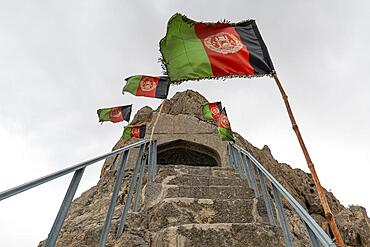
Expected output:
(181, 119)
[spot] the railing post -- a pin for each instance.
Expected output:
(231, 158)
(313, 238)
(282, 217)
(253, 169)
(266, 198)
(317, 235)
(243, 171)
(122, 221)
(59, 220)
(139, 184)
(237, 164)
(251, 182)
(112, 205)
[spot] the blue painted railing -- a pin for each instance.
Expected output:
(250, 169)
(147, 155)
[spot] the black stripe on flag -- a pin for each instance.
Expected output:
(126, 112)
(142, 131)
(162, 88)
(259, 57)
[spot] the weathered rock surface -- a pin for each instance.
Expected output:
(201, 206)
(225, 234)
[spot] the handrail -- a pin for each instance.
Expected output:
(29, 185)
(147, 147)
(314, 230)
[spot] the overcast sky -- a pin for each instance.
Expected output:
(62, 60)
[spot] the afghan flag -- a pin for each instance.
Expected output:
(115, 114)
(137, 131)
(224, 128)
(193, 50)
(148, 86)
(212, 110)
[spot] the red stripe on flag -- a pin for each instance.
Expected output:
(223, 122)
(116, 114)
(213, 107)
(135, 131)
(147, 86)
(226, 51)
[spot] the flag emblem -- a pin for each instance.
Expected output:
(147, 84)
(223, 42)
(116, 114)
(215, 111)
(224, 122)
(135, 132)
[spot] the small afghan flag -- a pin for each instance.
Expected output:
(224, 128)
(148, 86)
(193, 50)
(212, 110)
(115, 114)
(137, 131)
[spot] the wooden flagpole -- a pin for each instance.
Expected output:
(328, 214)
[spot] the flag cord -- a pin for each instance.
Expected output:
(328, 214)
(156, 121)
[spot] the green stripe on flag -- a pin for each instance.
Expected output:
(126, 135)
(206, 111)
(104, 114)
(192, 61)
(225, 134)
(132, 84)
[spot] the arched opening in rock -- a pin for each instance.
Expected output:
(181, 152)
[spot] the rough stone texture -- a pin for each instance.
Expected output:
(172, 211)
(354, 224)
(223, 235)
(181, 119)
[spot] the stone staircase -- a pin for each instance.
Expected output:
(205, 206)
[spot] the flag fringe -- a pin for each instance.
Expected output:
(222, 21)
(163, 63)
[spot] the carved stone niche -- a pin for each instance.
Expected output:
(181, 152)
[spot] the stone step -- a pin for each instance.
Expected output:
(180, 211)
(208, 192)
(220, 235)
(170, 170)
(155, 193)
(191, 180)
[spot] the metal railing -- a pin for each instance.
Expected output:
(147, 156)
(251, 170)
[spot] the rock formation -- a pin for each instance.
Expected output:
(196, 199)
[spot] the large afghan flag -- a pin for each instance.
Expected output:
(193, 50)
(115, 114)
(148, 86)
(137, 131)
(224, 128)
(212, 110)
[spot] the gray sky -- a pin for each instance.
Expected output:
(62, 60)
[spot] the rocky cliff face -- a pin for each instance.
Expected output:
(198, 214)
